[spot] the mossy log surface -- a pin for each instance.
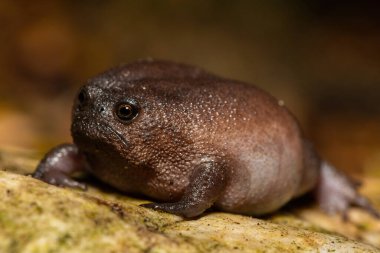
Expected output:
(37, 217)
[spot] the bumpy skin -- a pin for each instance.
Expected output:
(197, 141)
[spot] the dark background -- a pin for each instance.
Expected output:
(321, 57)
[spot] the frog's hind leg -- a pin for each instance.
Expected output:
(311, 168)
(336, 192)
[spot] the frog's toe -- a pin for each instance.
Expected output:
(364, 203)
(69, 182)
(339, 203)
(336, 193)
(153, 206)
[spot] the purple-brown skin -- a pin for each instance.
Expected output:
(192, 140)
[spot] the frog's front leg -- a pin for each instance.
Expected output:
(59, 164)
(206, 184)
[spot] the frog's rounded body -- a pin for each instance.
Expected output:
(188, 138)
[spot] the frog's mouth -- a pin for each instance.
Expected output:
(85, 138)
(117, 134)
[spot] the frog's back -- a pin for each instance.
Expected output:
(148, 69)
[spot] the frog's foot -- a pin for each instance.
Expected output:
(59, 164)
(336, 193)
(179, 208)
(59, 179)
(206, 183)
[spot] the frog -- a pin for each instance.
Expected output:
(191, 140)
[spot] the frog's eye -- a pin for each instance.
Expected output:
(126, 110)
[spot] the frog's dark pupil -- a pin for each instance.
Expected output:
(125, 111)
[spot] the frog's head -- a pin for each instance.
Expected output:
(124, 106)
(115, 119)
(131, 118)
(128, 125)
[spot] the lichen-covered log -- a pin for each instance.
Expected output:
(37, 217)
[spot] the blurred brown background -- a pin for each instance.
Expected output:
(321, 57)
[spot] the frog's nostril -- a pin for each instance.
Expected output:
(82, 97)
(101, 109)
